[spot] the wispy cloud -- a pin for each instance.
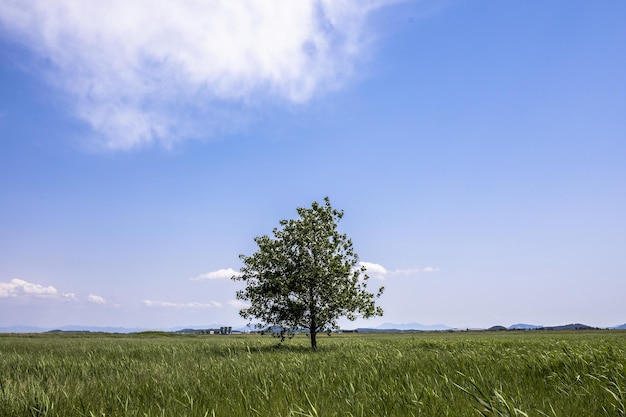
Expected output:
(167, 304)
(20, 289)
(238, 304)
(378, 271)
(149, 71)
(219, 274)
(96, 299)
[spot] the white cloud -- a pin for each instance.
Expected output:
(238, 304)
(219, 274)
(18, 287)
(148, 71)
(380, 272)
(167, 304)
(96, 299)
(406, 271)
(413, 271)
(374, 270)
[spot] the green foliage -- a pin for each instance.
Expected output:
(306, 276)
(534, 374)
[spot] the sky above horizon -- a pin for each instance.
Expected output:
(477, 148)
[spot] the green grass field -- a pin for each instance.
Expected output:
(430, 374)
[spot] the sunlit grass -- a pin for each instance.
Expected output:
(430, 374)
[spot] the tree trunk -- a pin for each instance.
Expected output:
(313, 331)
(313, 318)
(313, 339)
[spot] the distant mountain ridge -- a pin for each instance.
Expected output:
(412, 326)
(97, 329)
(522, 326)
(386, 327)
(22, 329)
(575, 326)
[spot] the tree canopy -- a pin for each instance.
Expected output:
(306, 276)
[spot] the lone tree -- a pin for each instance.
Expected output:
(306, 276)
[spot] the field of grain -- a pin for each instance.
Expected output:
(427, 374)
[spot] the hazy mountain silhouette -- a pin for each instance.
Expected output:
(412, 326)
(522, 326)
(386, 327)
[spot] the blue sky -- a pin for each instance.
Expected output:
(476, 147)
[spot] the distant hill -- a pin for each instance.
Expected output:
(386, 327)
(93, 329)
(576, 326)
(412, 326)
(376, 330)
(406, 327)
(522, 326)
(97, 329)
(22, 329)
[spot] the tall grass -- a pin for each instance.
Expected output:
(444, 374)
